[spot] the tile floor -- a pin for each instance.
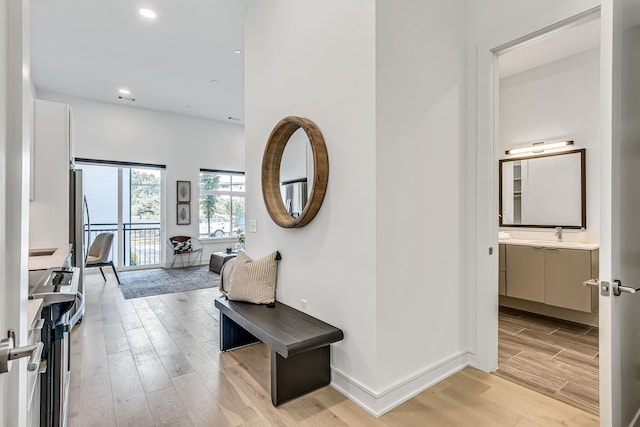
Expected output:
(552, 356)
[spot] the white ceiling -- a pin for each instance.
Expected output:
(552, 47)
(91, 48)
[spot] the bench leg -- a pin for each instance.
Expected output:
(233, 335)
(297, 375)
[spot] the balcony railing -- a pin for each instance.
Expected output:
(140, 245)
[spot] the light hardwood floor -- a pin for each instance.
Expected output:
(155, 361)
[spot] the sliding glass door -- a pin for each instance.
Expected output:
(126, 201)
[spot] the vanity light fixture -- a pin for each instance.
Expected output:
(539, 147)
(147, 13)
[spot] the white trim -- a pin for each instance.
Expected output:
(378, 403)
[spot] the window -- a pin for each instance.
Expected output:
(221, 203)
(124, 199)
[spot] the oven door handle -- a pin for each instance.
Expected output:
(79, 312)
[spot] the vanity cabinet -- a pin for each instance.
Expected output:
(564, 272)
(525, 272)
(549, 275)
(502, 274)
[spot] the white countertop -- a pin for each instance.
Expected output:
(49, 261)
(550, 244)
(33, 308)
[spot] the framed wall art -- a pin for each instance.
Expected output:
(183, 191)
(184, 214)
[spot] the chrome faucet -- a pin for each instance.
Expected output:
(559, 233)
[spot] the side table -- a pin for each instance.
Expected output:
(218, 259)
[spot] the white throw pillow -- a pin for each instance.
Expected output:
(253, 280)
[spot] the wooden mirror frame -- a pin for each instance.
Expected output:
(271, 171)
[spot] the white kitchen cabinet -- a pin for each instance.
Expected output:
(53, 152)
(33, 377)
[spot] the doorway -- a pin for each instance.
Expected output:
(546, 91)
(126, 200)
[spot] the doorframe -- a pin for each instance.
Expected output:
(17, 122)
(483, 173)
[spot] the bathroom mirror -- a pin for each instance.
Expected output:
(544, 191)
(295, 172)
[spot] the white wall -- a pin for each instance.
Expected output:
(316, 60)
(184, 144)
(420, 113)
(382, 258)
(555, 101)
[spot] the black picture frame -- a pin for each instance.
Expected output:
(183, 191)
(183, 214)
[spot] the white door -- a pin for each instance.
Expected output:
(16, 111)
(620, 213)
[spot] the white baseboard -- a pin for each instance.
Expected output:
(378, 403)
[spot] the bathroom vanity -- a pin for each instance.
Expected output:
(549, 273)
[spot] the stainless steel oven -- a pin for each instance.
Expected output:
(58, 288)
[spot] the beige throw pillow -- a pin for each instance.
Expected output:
(253, 280)
(225, 276)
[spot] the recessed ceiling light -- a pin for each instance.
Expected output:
(124, 91)
(237, 51)
(147, 13)
(215, 82)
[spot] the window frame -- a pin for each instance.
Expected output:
(230, 193)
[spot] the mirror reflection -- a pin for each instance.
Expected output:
(296, 173)
(543, 191)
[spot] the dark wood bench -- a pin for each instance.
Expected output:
(299, 344)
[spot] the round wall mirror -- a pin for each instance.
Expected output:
(295, 172)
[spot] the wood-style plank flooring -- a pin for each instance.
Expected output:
(553, 356)
(155, 362)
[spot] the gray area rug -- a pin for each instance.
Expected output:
(158, 281)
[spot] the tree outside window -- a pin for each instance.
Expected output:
(222, 202)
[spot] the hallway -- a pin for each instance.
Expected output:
(155, 361)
